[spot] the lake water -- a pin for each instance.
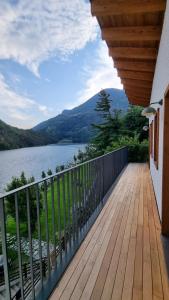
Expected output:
(34, 160)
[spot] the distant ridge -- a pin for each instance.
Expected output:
(75, 125)
(13, 138)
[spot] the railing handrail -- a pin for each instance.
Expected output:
(6, 194)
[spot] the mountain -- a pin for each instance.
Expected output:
(75, 125)
(12, 137)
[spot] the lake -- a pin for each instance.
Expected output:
(34, 160)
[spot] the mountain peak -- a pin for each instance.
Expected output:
(75, 124)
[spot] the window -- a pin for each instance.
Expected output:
(156, 137)
(151, 139)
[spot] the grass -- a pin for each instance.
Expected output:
(63, 189)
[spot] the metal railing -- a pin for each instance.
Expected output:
(50, 219)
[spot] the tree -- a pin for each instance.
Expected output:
(22, 201)
(49, 172)
(43, 175)
(109, 127)
(134, 122)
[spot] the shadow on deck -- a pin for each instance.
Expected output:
(122, 255)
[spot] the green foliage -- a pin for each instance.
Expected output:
(134, 122)
(43, 175)
(75, 125)
(104, 129)
(49, 172)
(137, 151)
(118, 130)
(12, 138)
(22, 203)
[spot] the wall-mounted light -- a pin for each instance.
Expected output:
(145, 128)
(150, 111)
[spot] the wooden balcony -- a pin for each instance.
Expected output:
(122, 255)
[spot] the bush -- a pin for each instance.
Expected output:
(137, 151)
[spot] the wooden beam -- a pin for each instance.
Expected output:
(136, 83)
(139, 103)
(124, 74)
(133, 53)
(138, 93)
(138, 98)
(131, 33)
(134, 66)
(115, 8)
(137, 89)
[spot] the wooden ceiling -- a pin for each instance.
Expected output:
(132, 31)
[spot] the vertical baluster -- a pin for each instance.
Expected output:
(73, 205)
(69, 206)
(79, 198)
(47, 227)
(64, 238)
(4, 248)
(83, 194)
(59, 217)
(19, 245)
(100, 180)
(91, 182)
(88, 191)
(97, 184)
(53, 221)
(39, 234)
(30, 242)
(76, 203)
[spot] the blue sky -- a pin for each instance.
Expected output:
(51, 58)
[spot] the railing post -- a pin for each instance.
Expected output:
(4, 248)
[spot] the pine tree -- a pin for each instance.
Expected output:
(104, 129)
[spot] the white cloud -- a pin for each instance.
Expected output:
(32, 31)
(19, 110)
(99, 74)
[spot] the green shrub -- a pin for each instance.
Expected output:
(137, 151)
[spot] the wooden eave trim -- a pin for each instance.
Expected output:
(134, 66)
(108, 8)
(132, 33)
(126, 74)
(133, 53)
(136, 83)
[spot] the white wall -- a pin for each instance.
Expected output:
(160, 83)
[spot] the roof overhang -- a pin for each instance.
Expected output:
(132, 30)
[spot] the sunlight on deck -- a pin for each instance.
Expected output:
(122, 255)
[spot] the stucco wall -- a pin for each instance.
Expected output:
(160, 83)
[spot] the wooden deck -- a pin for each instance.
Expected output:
(122, 255)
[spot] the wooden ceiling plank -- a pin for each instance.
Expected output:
(137, 92)
(144, 104)
(110, 8)
(141, 98)
(133, 53)
(136, 83)
(131, 33)
(138, 96)
(134, 66)
(126, 74)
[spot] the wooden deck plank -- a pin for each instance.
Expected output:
(120, 274)
(129, 273)
(101, 231)
(90, 236)
(111, 251)
(120, 227)
(122, 255)
(138, 272)
(147, 271)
